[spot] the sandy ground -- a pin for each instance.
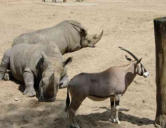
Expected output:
(127, 23)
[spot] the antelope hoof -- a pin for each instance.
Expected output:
(116, 121)
(157, 125)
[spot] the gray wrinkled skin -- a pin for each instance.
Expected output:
(31, 63)
(68, 35)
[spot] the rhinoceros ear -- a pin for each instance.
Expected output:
(43, 63)
(78, 27)
(67, 61)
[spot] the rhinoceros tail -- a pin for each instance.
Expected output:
(67, 100)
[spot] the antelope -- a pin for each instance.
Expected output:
(111, 83)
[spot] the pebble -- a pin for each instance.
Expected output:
(16, 99)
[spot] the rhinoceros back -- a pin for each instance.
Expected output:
(66, 35)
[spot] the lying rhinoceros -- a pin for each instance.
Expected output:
(36, 65)
(69, 36)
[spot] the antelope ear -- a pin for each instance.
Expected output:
(139, 61)
(127, 58)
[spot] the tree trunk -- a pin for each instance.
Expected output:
(160, 41)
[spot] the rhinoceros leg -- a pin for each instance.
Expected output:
(29, 83)
(5, 64)
(64, 82)
(6, 76)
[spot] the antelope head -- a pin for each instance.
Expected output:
(139, 67)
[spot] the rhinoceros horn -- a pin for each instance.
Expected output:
(91, 40)
(97, 37)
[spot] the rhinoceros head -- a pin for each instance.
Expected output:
(91, 40)
(48, 88)
(49, 84)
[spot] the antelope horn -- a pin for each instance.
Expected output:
(129, 53)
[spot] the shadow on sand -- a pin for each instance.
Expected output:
(99, 120)
(52, 115)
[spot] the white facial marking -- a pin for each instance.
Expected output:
(146, 74)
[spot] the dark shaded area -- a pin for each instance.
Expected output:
(21, 85)
(130, 118)
(135, 120)
(34, 115)
(53, 116)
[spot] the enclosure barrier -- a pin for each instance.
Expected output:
(160, 42)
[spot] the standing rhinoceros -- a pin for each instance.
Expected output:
(69, 36)
(36, 65)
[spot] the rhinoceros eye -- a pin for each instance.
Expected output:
(95, 37)
(89, 41)
(41, 83)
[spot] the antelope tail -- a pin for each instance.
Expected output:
(67, 100)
